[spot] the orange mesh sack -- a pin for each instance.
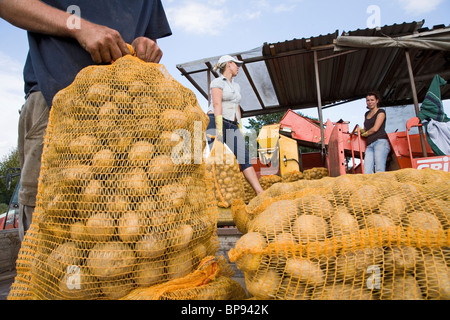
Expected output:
(224, 170)
(356, 237)
(267, 181)
(123, 201)
(315, 173)
(248, 189)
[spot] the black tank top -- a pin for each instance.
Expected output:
(369, 123)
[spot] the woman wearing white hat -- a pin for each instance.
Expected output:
(225, 116)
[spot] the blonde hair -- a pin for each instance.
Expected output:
(221, 67)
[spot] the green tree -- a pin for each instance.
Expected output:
(7, 162)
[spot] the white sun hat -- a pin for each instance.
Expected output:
(227, 58)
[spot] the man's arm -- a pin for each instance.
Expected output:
(103, 44)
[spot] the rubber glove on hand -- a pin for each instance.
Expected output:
(219, 127)
(240, 128)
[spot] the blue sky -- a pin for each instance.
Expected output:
(203, 29)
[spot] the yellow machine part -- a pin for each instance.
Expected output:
(268, 136)
(289, 158)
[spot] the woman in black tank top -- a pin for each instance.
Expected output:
(378, 146)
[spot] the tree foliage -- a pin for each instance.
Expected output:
(9, 161)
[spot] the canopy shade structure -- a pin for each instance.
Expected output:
(328, 70)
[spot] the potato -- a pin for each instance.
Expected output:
(365, 199)
(180, 237)
(130, 226)
(149, 273)
(148, 127)
(307, 228)
(100, 227)
(353, 265)
(305, 271)
(76, 176)
(263, 285)
(378, 221)
(117, 205)
(343, 223)
(173, 120)
(108, 114)
(78, 232)
(424, 221)
(116, 289)
(135, 183)
(172, 196)
(440, 209)
(84, 147)
(167, 141)
(138, 88)
(199, 252)
(103, 161)
(277, 218)
(98, 92)
(251, 247)
(141, 153)
(162, 168)
(343, 188)
(292, 290)
(144, 107)
(314, 204)
(341, 291)
(93, 192)
(122, 99)
(151, 246)
(433, 275)
(63, 256)
(395, 208)
(79, 284)
(400, 260)
(179, 264)
(404, 287)
(112, 260)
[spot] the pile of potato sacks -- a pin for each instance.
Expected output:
(123, 199)
(356, 237)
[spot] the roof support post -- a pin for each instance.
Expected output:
(319, 105)
(416, 100)
(208, 76)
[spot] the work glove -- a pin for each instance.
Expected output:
(240, 128)
(364, 134)
(219, 127)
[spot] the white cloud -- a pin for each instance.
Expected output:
(213, 16)
(199, 18)
(11, 100)
(418, 7)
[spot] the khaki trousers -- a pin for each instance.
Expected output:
(32, 126)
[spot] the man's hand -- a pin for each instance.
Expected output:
(147, 50)
(103, 44)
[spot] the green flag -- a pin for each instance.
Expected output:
(432, 107)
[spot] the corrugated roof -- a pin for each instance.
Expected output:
(281, 76)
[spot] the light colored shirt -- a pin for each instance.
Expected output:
(231, 98)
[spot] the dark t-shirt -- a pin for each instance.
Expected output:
(53, 62)
(369, 123)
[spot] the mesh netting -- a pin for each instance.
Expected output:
(382, 236)
(123, 200)
(223, 169)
